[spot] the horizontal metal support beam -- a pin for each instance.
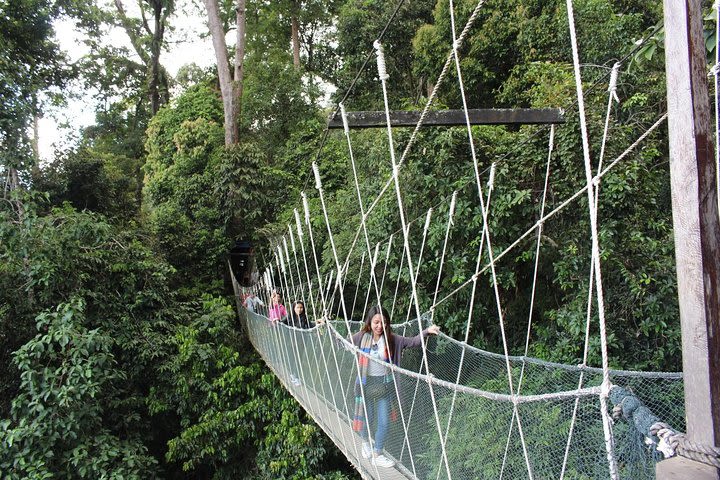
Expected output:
(449, 118)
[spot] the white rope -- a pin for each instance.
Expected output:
(468, 322)
(303, 297)
(406, 244)
(387, 260)
(557, 209)
(486, 231)
(607, 421)
(306, 210)
(438, 83)
(357, 286)
(283, 346)
(612, 89)
(406, 440)
(318, 186)
(296, 333)
(314, 312)
(397, 285)
(363, 215)
(533, 289)
(476, 392)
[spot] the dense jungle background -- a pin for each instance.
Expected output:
(120, 352)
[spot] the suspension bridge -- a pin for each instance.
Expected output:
(456, 411)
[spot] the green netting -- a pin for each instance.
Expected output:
(476, 413)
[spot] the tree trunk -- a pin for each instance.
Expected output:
(295, 37)
(223, 67)
(155, 58)
(239, 60)
(158, 91)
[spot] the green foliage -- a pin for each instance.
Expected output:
(69, 378)
(359, 24)
(235, 417)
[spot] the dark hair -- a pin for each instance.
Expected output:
(379, 310)
(299, 321)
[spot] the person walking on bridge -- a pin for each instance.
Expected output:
(378, 345)
(298, 319)
(277, 309)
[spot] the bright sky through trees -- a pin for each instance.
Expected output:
(60, 124)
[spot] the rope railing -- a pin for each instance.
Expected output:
(459, 411)
(329, 370)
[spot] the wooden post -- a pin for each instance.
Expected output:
(696, 228)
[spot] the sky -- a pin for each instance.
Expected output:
(80, 112)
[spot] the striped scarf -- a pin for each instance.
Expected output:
(364, 363)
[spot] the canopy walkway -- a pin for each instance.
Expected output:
(562, 433)
(458, 412)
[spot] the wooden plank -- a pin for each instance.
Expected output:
(448, 118)
(695, 220)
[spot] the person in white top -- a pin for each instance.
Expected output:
(252, 301)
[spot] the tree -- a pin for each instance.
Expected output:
(141, 36)
(58, 428)
(230, 89)
(30, 62)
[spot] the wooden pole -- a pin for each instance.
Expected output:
(696, 228)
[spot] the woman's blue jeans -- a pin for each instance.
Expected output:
(378, 412)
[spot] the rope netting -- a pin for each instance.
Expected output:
(457, 411)
(476, 412)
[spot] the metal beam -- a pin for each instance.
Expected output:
(448, 118)
(696, 228)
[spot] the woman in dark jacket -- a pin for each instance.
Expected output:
(298, 319)
(298, 316)
(376, 339)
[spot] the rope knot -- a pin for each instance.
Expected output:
(612, 87)
(343, 115)
(382, 71)
(316, 171)
(298, 224)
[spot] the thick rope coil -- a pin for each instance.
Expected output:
(297, 223)
(282, 259)
(306, 207)
(382, 70)
(673, 443)
(453, 200)
(666, 440)
(427, 220)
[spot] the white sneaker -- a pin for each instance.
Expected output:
(383, 461)
(294, 380)
(366, 451)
